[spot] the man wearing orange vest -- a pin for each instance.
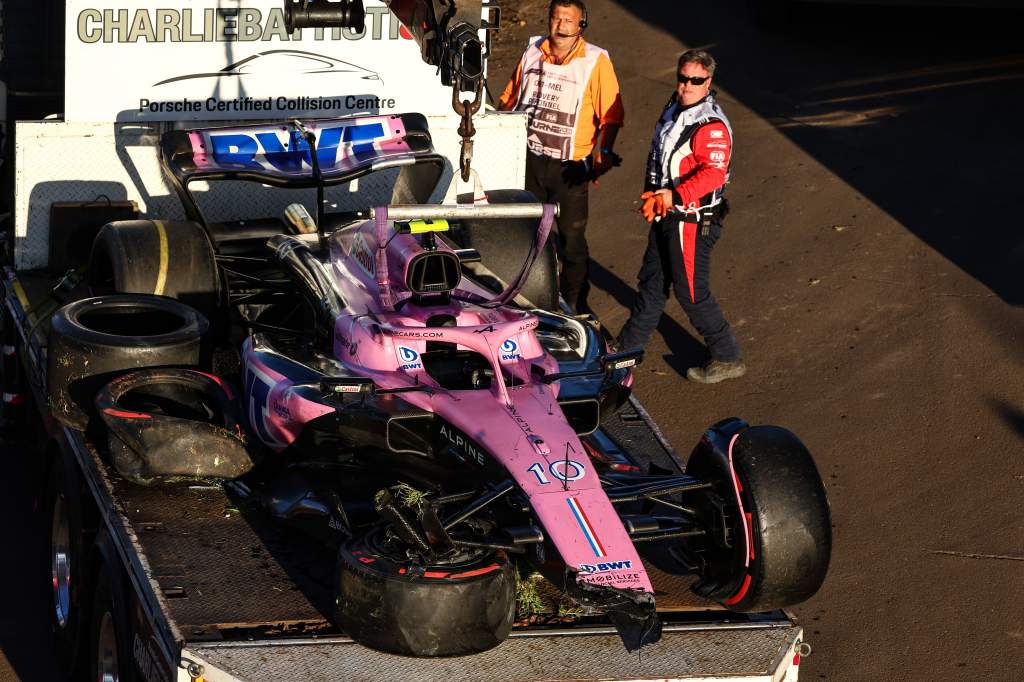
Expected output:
(568, 88)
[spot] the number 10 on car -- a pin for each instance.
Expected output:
(567, 470)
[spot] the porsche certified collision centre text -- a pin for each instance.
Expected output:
(239, 24)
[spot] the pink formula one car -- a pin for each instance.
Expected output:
(414, 393)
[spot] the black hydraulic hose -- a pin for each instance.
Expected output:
(310, 276)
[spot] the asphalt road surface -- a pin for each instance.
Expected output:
(873, 268)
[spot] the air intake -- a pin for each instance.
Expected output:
(435, 272)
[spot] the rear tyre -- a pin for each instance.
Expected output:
(173, 422)
(164, 258)
(69, 577)
(386, 603)
(94, 339)
(504, 245)
(780, 556)
(110, 632)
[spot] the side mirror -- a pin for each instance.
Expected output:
(623, 360)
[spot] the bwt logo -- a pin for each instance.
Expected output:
(510, 350)
(602, 568)
(288, 151)
(409, 358)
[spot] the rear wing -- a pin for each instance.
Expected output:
(279, 155)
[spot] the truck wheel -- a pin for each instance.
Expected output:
(386, 603)
(505, 244)
(164, 258)
(94, 339)
(110, 634)
(173, 422)
(12, 407)
(782, 542)
(69, 579)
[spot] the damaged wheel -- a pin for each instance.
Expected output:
(387, 603)
(94, 339)
(173, 422)
(769, 519)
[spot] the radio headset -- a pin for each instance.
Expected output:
(583, 21)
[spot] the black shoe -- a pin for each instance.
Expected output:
(716, 371)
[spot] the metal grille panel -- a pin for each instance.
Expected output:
(749, 654)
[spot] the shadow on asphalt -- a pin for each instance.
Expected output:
(1013, 416)
(917, 109)
(686, 350)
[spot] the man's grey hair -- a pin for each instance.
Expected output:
(702, 57)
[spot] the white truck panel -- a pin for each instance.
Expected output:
(60, 161)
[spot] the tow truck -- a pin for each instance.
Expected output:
(177, 581)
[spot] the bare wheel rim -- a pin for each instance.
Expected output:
(106, 650)
(60, 563)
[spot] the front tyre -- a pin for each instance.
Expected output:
(776, 550)
(386, 603)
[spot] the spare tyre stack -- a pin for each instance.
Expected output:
(92, 340)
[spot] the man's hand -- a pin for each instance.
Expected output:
(656, 204)
(602, 160)
(602, 163)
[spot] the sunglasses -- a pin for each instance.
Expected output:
(696, 80)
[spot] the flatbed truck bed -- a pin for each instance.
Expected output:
(223, 592)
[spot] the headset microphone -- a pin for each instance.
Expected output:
(583, 21)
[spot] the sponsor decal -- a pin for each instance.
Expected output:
(531, 324)
(716, 133)
(510, 350)
(611, 578)
(416, 335)
(485, 330)
(588, 530)
(257, 388)
(520, 422)
(281, 410)
(606, 566)
(717, 156)
(361, 253)
(283, 149)
(462, 446)
(408, 358)
(717, 145)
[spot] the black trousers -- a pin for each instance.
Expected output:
(679, 256)
(567, 184)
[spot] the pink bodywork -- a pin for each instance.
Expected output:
(521, 426)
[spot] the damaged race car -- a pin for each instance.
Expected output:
(398, 377)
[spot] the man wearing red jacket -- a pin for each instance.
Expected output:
(687, 170)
